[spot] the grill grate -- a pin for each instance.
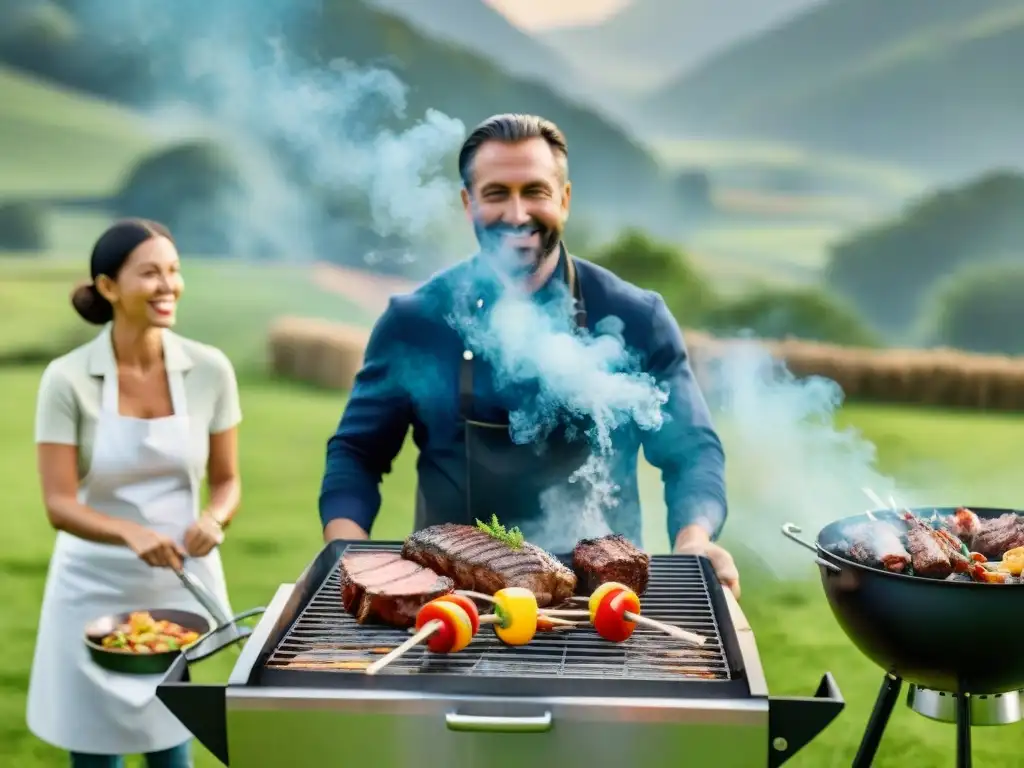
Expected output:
(325, 638)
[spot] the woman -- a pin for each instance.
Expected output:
(126, 427)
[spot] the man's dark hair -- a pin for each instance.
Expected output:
(511, 128)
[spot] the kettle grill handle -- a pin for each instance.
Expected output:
(791, 531)
(501, 724)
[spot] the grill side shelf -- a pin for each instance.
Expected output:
(324, 647)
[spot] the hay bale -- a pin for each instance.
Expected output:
(316, 351)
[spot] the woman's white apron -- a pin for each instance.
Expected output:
(141, 470)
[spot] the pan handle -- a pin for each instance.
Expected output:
(220, 637)
(791, 531)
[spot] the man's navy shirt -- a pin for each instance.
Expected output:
(410, 377)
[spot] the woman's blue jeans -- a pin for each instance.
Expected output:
(175, 757)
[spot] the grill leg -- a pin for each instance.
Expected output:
(963, 732)
(887, 696)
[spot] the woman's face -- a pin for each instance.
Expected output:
(148, 287)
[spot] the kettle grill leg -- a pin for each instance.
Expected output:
(887, 696)
(963, 732)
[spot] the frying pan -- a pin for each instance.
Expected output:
(131, 663)
(953, 636)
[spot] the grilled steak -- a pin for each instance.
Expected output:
(383, 587)
(476, 561)
(998, 535)
(934, 554)
(611, 558)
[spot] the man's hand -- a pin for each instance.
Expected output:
(694, 540)
(344, 529)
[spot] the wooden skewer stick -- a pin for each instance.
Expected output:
(673, 631)
(669, 629)
(474, 595)
(428, 629)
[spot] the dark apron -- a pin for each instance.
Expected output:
(504, 478)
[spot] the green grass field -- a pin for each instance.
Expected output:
(277, 534)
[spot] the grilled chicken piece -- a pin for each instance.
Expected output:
(476, 561)
(611, 558)
(964, 524)
(382, 587)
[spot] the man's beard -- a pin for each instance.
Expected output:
(512, 260)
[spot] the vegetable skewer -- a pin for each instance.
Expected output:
(615, 612)
(444, 625)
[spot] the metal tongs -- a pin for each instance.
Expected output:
(204, 596)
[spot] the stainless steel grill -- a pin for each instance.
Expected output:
(298, 694)
(325, 638)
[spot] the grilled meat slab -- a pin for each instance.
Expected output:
(875, 544)
(996, 536)
(934, 554)
(476, 561)
(611, 558)
(383, 587)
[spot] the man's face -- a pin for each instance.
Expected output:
(518, 202)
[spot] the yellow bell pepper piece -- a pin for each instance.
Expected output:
(518, 611)
(1013, 561)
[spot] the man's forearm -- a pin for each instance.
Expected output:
(695, 494)
(344, 529)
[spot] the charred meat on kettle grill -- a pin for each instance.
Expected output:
(611, 558)
(384, 587)
(477, 561)
(875, 544)
(934, 553)
(991, 537)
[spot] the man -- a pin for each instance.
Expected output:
(421, 371)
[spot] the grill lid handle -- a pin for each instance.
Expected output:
(500, 724)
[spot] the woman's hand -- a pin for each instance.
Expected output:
(204, 534)
(154, 548)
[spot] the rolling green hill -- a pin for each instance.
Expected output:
(931, 82)
(58, 142)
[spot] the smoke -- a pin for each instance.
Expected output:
(564, 380)
(310, 140)
(787, 459)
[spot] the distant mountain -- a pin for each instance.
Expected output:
(650, 41)
(475, 25)
(931, 82)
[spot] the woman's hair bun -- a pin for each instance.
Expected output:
(90, 304)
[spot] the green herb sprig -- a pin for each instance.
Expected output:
(512, 538)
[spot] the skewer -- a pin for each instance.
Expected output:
(673, 631)
(875, 498)
(475, 595)
(428, 629)
(669, 629)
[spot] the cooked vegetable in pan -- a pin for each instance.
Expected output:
(144, 634)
